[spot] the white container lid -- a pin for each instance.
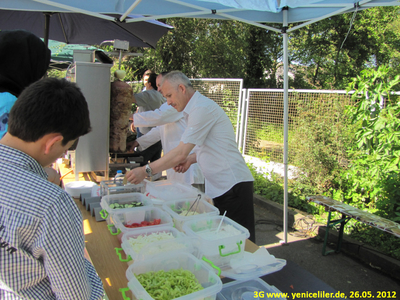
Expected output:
(252, 265)
(76, 188)
(168, 190)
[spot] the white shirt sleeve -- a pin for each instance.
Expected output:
(150, 138)
(164, 115)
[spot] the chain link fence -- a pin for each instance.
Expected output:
(264, 118)
(227, 93)
(257, 114)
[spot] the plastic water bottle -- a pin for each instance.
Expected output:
(119, 178)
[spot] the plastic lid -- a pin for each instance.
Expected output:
(253, 265)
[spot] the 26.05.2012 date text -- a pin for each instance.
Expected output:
(369, 294)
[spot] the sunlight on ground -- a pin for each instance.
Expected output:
(291, 238)
(108, 281)
(86, 227)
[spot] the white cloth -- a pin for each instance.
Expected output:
(148, 100)
(209, 128)
(170, 125)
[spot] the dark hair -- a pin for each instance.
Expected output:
(152, 80)
(50, 106)
(24, 59)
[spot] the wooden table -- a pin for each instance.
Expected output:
(100, 245)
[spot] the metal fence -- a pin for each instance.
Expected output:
(257, 114)
(226, 92)
(263, 110)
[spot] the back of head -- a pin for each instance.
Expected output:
(153, 80)
(49, 106)
(176, 78)
(24, 59)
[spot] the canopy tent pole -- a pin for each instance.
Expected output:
(132, 7)
(285, 122)
(46, 28)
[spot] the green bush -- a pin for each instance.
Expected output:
(321, 137)
(373, 178)
(349, 153)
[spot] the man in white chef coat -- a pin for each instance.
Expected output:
(168, 126)
(210, 135)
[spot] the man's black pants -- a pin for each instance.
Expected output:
(238, 204)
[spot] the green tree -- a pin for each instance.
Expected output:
(334, 52)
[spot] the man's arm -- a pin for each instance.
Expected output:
(149, 139)
(173, 158)
(62, 243)
(164, 115)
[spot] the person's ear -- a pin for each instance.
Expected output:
(182, 88)
(51, 140)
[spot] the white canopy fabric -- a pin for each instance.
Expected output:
(261, 13)
(251, 11)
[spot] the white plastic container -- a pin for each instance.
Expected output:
(184, 210)
(76, 188)
(179, 241)
(166, 190)
(111, 187)
(219, 247)
(171, 261)
(106, 201)
(139, 214)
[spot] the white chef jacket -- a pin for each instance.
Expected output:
(170, 124)
(148, 100)
(209, 128)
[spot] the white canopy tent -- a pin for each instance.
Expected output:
(256, 12)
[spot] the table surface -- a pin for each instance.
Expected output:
(100, 245)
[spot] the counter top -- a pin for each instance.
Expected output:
(100, 245)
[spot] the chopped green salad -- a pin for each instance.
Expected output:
(167, 285)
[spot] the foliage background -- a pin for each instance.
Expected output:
(321, 55)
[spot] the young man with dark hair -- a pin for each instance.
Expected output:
(41, 232)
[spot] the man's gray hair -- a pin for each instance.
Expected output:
(176, 78)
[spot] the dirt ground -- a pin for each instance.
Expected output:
(342, 272)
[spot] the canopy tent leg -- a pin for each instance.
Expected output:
(285, 122)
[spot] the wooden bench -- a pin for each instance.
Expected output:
(349, 212)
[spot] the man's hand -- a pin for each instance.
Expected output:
(182, 167)
(136, 175)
